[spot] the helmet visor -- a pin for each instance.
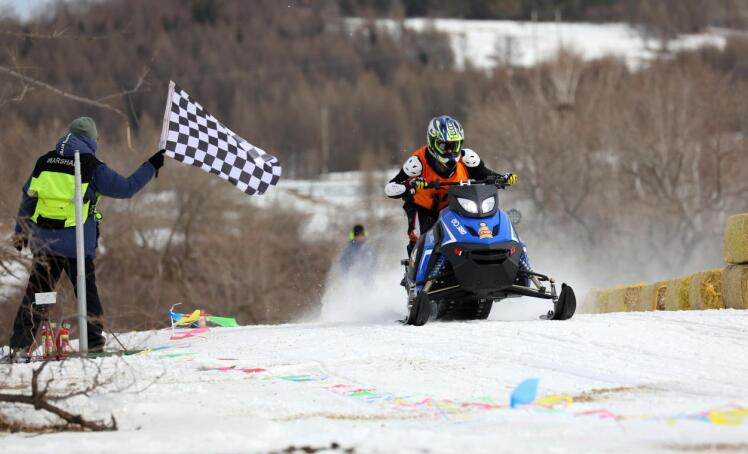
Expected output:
(449, 149)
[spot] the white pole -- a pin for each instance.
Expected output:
(325, 139)
(79, 249)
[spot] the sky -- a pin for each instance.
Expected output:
(21, 8)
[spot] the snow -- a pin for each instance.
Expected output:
(484, 44)
(157, 239)
(13, 273)
(379, 386)
(11, 278)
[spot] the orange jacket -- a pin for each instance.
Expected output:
(435, 199)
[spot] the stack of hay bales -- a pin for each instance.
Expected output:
(735, 276)
(712, 289)
(696, 291)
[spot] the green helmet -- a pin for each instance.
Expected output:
(445, 136)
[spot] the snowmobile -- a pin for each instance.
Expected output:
(471, 258)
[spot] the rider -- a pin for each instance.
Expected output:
(442, 159)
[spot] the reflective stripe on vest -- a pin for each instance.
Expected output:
(436, 199)
(53, 185)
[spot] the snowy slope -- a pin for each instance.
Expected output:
(485, 43)
(442, 388)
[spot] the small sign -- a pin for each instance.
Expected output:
(45, 298)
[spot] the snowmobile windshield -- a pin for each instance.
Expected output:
(474, 201)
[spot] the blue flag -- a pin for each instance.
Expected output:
(525, 393)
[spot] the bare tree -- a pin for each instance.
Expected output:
(646, 164)
(680, 153)
(42, 397)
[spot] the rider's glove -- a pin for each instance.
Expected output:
(412, 235)
(510, 179)
(418, 183)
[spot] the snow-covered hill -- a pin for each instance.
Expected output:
(636, 382)
(486, 43)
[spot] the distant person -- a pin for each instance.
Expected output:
(358, 258)
(46, 224)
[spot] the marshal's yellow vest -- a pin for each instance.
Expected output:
(53, 185)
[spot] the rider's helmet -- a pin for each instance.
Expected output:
(445, 136)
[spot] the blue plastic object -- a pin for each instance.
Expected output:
(525, 393)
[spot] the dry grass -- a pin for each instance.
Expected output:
(11, 426)
(595, 395)
(333, 447)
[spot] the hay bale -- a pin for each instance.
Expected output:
(599, 300)
(631, 298)
(591, 302)
(676, 295)
(735, 286)
(584, 305)
(660, 291)
(652, 297)
(705, 290)
(616, 300)
(602, 301)
(735, 248)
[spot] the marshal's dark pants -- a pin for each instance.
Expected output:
(45, 273)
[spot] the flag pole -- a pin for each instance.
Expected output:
(167, 111)
(81, 260)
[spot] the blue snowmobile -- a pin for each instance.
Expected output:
(471, 258)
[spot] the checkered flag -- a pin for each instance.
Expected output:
(192, 135)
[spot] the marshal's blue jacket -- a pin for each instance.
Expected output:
(107, 182)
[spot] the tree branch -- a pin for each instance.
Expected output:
(138, 84)
(63, 34)
(39, 400)
(62, 93)
(41, 404)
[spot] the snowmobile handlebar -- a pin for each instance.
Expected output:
(499, 181)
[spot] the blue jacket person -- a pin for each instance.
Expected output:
(46, 224)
